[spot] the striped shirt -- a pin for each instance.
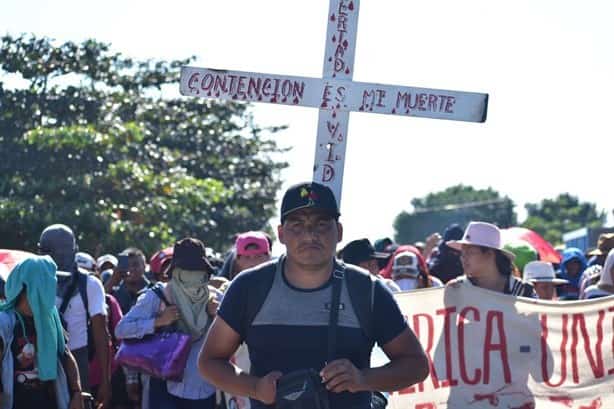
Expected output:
(515, 286)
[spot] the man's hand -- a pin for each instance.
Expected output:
(76, 401)
(341, 375)
(212, 306)
(168, 316)
(266, 387)
(114, 280)
(433, 240)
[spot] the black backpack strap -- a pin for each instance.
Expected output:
(338, 274)
(70, 290)
(258, 291)
(82, 282)
(361, 288)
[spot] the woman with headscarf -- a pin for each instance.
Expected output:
(192, 305)
(605, 285)
(486, 263)
(38, 371)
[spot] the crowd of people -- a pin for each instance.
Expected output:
(66, 313)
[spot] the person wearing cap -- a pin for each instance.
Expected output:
(295, 310)
(541, 274)
(105, 262)
(409, 270)
(407, 275)
(605, 286)
(159, 263)
(192, 305)
(58, 241)
(104, 267)
(38, 370)
(591, 274)
(486, 263)
(605, 243)
(252, 248)
(361, 253)
(85, 261)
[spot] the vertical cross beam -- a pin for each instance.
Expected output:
(332, 134)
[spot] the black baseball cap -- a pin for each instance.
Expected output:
(309, 195)
(357, 251)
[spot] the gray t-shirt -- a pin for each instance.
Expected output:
(290, 332)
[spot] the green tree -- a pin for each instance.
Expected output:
(456, 204)
(553, 217)
(90, 141)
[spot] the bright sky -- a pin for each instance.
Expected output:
(548, 66)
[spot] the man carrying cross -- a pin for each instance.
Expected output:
(309, 321)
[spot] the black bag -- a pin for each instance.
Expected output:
(302, 389)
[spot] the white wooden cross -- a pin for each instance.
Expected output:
(335, 94)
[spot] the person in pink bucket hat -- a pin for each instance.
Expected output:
(486, 263)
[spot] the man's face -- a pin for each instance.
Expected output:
(136, 270)
(310, 236)
(544, 290)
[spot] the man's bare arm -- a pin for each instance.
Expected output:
(215, 366)
(408, 365)
(72, 373)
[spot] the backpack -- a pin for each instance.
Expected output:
(357, 282)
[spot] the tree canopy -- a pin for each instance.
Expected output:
(456, 204)
(553, 217)
(88, 140)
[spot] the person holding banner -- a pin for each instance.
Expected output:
(305, 298)
(486, 263)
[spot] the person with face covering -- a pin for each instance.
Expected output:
(486, 263)
(192, 305)
(408, 269)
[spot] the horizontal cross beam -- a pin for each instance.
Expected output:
(333, 94)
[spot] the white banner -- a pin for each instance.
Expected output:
(491, 351)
